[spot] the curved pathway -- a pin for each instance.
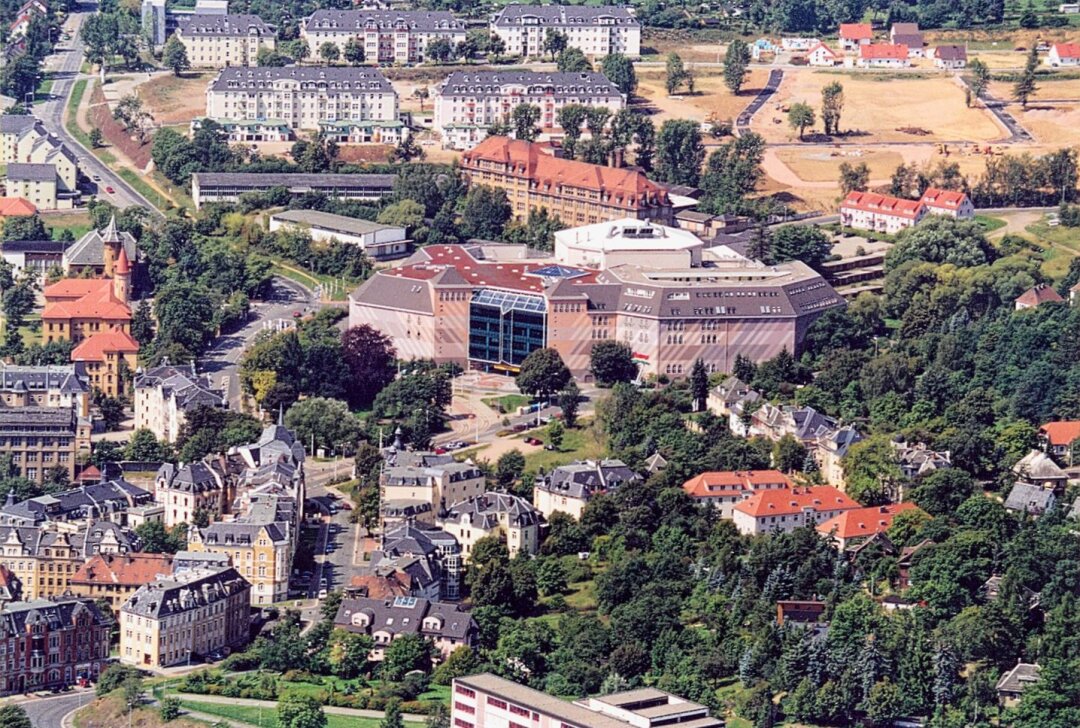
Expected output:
(742, 124)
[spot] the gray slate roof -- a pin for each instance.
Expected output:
(1018, 679)
(190, 389)
(483, 511)
(536, 83)
(582, 479)
(294, 179)
(64, 378)
(1029, 499)
(220, 25)
(406, 615)
(90, 248)
(56, 613)
(357, 20)
(331, 78)
(16, 123)
(86, 501)
(185, 591)
(191, 478)
(556, 16)
(22, 171)
(333, 223)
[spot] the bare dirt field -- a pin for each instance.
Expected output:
(1053, 113)
(877, 105)
(711, 95)
(173, 100)
(822, 164)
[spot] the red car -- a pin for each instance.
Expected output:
(532, 441)
(110, 190)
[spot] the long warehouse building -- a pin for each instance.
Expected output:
(208, 187)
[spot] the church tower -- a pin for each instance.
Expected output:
(112, 245)
(122, 277)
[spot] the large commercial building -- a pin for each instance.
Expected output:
(628, 241)
(482, 308)
(398, 36)
(165, 394)
(303, 97)
(578, 193)
(49, 644)
(217, 41)
(208, 187)
(596, 31)
(184, 616)
(468, 102)
(487, 701)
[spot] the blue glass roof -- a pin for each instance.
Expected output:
(557, 271)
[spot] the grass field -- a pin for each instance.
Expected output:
(78, 224)
(711, 95)
(1061, 245)
(74, 102)
(876, 105)
(508, 402)
(822, 164)
(990, 224)
(334, 289)
(580, 443)
(267, 718)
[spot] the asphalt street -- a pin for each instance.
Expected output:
(64, 67)
(286, 300)
(742, 124)
(50, 712)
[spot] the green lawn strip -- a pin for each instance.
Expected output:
(990, 224)
(1060, 245)
(580, 443)
(156, 198)
(74, 102)
(310, 279)
(509, 403)
(267, 717)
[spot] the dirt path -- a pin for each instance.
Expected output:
(1016, 223)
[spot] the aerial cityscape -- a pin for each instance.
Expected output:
(486, 364)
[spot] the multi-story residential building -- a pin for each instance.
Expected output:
(43, 558)
(950, 57)
(576, 192)
(595, 31)
(916, 460)
(115, 577)
(187, 615)
(724, 489)
(39, 165)
(109, 358)
(858, 524)
(217, 41)
(512, 518)
(207, 187)
(303, 97)
(468, 102)
(569, 488)
(39, 439)
(438, 485)
(106, 501)
(52, 385)
(786, 509)
(853, 35)
(880, 213)
(830, 450)
(448, 626)
(457, 304)
(952, 203)
(10, 586)
(396, 36)
(1057, 438)
(481, 701)
(424, 560)
(38, 184)
(165, 394)
(49, 644)
(195, 487)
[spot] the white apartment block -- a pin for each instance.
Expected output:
(24, 140)
(303, 97)
(218, 41)
(468, 102)
(596, 31)
(388, 36)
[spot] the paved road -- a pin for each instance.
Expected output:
(64, 67)
(742, 124)
(997, 108)
(344, 539)
(50, 712)
(286, 298)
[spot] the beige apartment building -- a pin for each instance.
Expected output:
(40, 438)
(389, 36)
(165, 394)
(24, 139)
(439, 486)
(261, 552)
(194, 487)
(43, 558)
(509, 517)
(596, 31)
(219, 41)
(187, 615)
(302, 97)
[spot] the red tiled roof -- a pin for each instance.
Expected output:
(863, 521)
(795, 500)
(830, 51)
(80, 298)
(949, 199)
(883, 204)
(397, 584)
(883, 51)
(1061, 433)
(507, 275)
(113, 341)
(1067, 50)
(132, 570)
(713, 484)
(123, 265)
(16, 207)
(627, 188)
(1041, 293)
(856, 31)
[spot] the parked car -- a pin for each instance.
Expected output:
(110, 190)
(532, 441)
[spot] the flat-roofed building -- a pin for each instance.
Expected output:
(576, 192)
(301, 96)
(217, 41)
(388, 36)
(487, 700)
(628, 241)
(452, 303)
(468, 102)
(184, 616)
(380, 242)
(595, 31)
(208, 187)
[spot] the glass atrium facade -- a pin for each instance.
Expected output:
(505, 327)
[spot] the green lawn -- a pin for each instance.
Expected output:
(267, 718)
(333, 289)
(509, 403)
(1061, 245)
(580, 443)
(57, 224)
(990, 224)
(156, 198)
(74, 102)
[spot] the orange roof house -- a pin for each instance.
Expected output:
(862, 523)
(708, 485)
(102, 354)
(534, 178)
(1036, 296)
(16, 207)
(953, 203)
(882, 204)
(1058, 437)
(785, 510)
(117, 576)
(855, 34)
(883, 52)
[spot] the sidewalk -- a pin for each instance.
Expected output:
(272, 705)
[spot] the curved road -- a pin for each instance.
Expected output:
(50, 712)
(63, 67)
